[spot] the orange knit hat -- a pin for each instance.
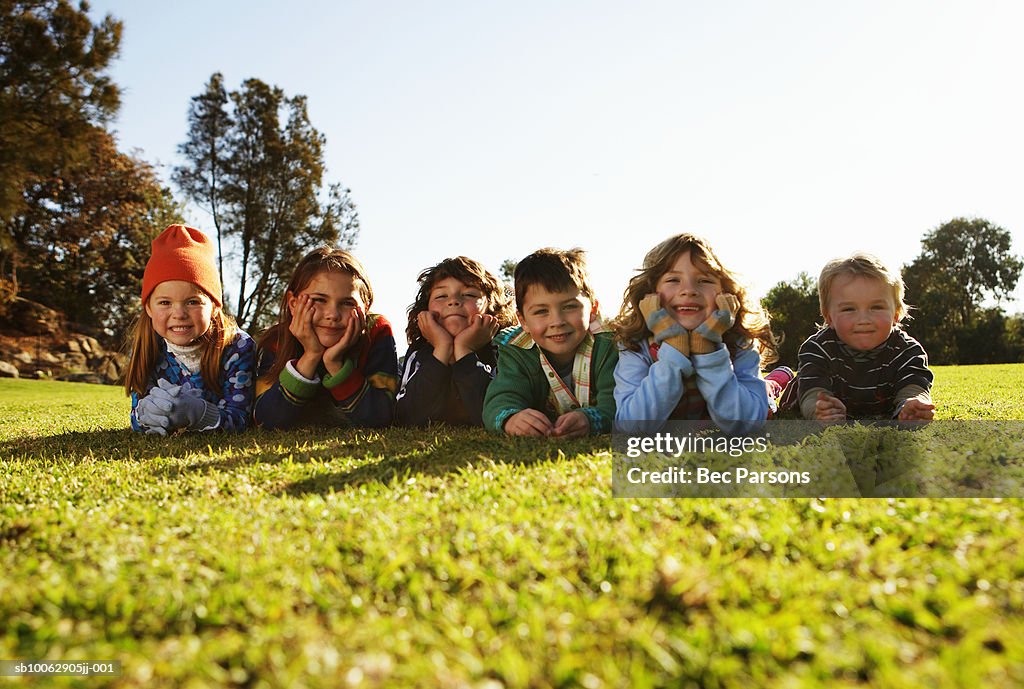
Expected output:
(182, 253)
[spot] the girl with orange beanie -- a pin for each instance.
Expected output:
(191, 368)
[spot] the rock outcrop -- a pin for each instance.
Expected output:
(37, 342)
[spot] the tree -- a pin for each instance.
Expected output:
(53, 93)
(263, 181)
(508, 270)
(962, 263)
(86, 236)
(794, 311)
(970, 259)
(206, 148)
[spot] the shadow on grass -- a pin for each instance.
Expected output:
(440, 451)
(117, 445)
(370, 455)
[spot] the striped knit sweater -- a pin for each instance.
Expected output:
(364, 398)
(871, 384)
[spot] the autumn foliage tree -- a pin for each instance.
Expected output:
(254, 161)
(54, 91)
(88, 234)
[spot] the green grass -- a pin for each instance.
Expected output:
(979, 392)
(457, 559)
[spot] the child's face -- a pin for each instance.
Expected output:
(335, 298)
(862, 311)
(180, 311)
(454, 303)
(688, 292)
(557, 321)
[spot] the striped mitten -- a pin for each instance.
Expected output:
(663, 326)
(708, 334)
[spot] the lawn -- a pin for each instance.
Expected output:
(454, 558)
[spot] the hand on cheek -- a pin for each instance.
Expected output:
(301, 325)
(334, 357)
(481, 329)
(432, 330)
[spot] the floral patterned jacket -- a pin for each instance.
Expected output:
(233, 399)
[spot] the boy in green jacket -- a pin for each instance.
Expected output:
(556, 370)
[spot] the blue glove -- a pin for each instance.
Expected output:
(190, 410)
(164, 390)
(152, 413)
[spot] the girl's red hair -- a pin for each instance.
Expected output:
(145, 351)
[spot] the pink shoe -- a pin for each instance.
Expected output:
(776, 382)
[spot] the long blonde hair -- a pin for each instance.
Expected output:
(278, 338)
(145, 351)
(752, 326)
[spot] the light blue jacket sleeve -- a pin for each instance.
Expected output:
(646, 390)
(735, 394)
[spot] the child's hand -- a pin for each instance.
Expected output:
(708, 334)
(829, 408)
(529, 422)
(302, 328)
(153, 414)
(435, 333)
(915, 409)
(481, 329)
(663, 326)
(190, 410)
(574, 424)
(334, 356)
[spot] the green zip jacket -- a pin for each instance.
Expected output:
(520, 384)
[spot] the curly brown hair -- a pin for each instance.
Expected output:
(470, 273)
(752, 327)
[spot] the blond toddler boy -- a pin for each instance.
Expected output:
(862, 364)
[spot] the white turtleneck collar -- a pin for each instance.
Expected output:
(189, 356)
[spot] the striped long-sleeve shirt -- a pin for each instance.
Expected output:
(870, 384)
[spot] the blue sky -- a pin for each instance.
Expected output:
(787, 133)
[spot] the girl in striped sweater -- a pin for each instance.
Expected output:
(329, 360)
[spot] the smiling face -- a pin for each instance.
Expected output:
(335, 297)
(557, 321)
(861, 310)
(180, 311)
(454, 303)
(688, 291)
